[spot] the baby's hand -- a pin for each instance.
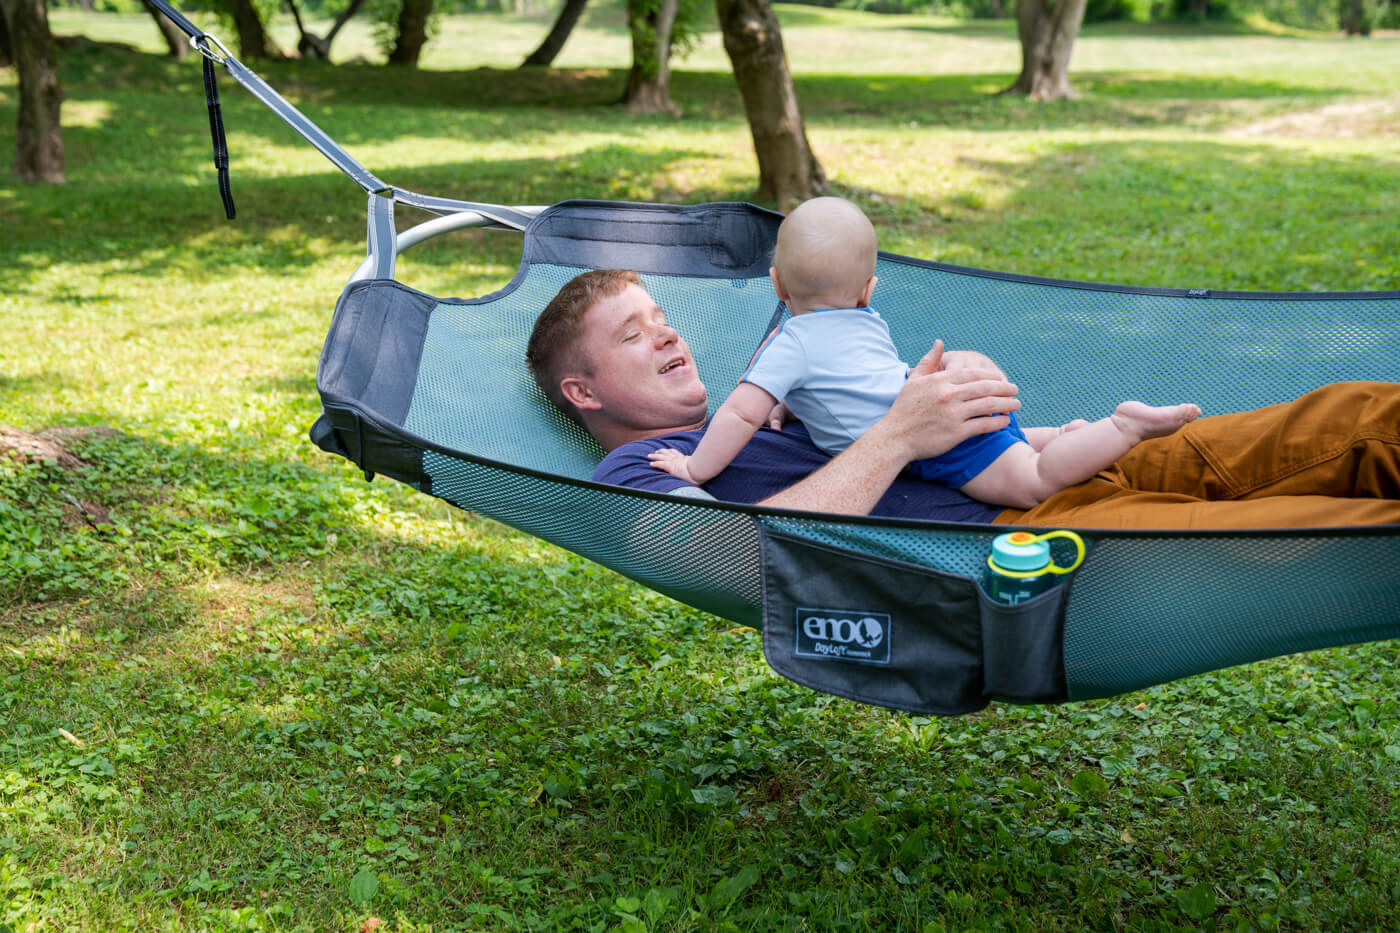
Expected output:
(777, 416)
(672, 461)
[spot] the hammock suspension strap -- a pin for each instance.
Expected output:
(216, 131)
(200, 41)
(382, 238)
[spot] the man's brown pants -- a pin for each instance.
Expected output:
(1329, 458)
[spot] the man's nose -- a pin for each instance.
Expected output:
(665, 334)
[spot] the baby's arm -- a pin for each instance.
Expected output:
(744, 412)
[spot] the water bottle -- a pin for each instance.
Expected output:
(1020, 566)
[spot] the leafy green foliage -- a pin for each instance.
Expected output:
(268, 695)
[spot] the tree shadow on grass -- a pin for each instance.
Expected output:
(1109, 101)
(164, 227)
(361, 105)
(180, 512)
(44, 381)
(1212, 192)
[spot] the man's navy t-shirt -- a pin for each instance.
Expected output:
(771, 462)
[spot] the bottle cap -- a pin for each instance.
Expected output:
(1020, 551)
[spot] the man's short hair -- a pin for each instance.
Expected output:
(553, 352)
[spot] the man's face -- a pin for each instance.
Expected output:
(643, 380)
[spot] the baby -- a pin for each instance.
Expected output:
(834, 366)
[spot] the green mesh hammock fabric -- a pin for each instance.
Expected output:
(435, 393)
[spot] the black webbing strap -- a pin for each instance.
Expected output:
(211, 97)
(216, 130)
(178, 18)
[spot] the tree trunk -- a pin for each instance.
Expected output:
(788, 172)
(175, 39)
(311, 45)
(413, 32)
(1047, 39)
(341, 20)
(39, 142)
(7, 55)
(649, 81)
(1353, 17)
(558, 35)
(253, 40)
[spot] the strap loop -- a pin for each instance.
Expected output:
(383, 240)
(216, 131)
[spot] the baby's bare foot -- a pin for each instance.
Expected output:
(1139, 421)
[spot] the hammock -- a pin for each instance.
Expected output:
(434, 392)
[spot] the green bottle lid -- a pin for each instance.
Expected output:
(1020, 552)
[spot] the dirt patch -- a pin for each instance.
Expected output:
(49, 445)
(230, 602)
(1376, 116)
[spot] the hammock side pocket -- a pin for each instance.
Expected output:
(901, 635)
(871, 629)
(1023, 647)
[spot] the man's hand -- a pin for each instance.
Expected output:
(777, 416)
(944, 403)
(673, 462)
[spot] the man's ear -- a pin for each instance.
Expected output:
(783, 295)
(579, 393)
(869, 291)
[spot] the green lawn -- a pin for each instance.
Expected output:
(268, 695)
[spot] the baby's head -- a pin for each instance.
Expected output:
(825, 257)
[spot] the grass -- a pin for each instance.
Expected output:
(268, 695)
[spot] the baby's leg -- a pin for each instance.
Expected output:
(1012, 479)
(1077, 455)
(1022, 477)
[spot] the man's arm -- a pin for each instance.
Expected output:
(935, 411)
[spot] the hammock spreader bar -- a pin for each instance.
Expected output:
(215, 53)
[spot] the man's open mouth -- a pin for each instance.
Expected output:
(671, 365)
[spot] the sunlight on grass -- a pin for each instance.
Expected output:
(90, 114)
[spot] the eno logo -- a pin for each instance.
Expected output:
(843, 635)
(867, 632)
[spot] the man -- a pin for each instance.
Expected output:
(604, 354)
